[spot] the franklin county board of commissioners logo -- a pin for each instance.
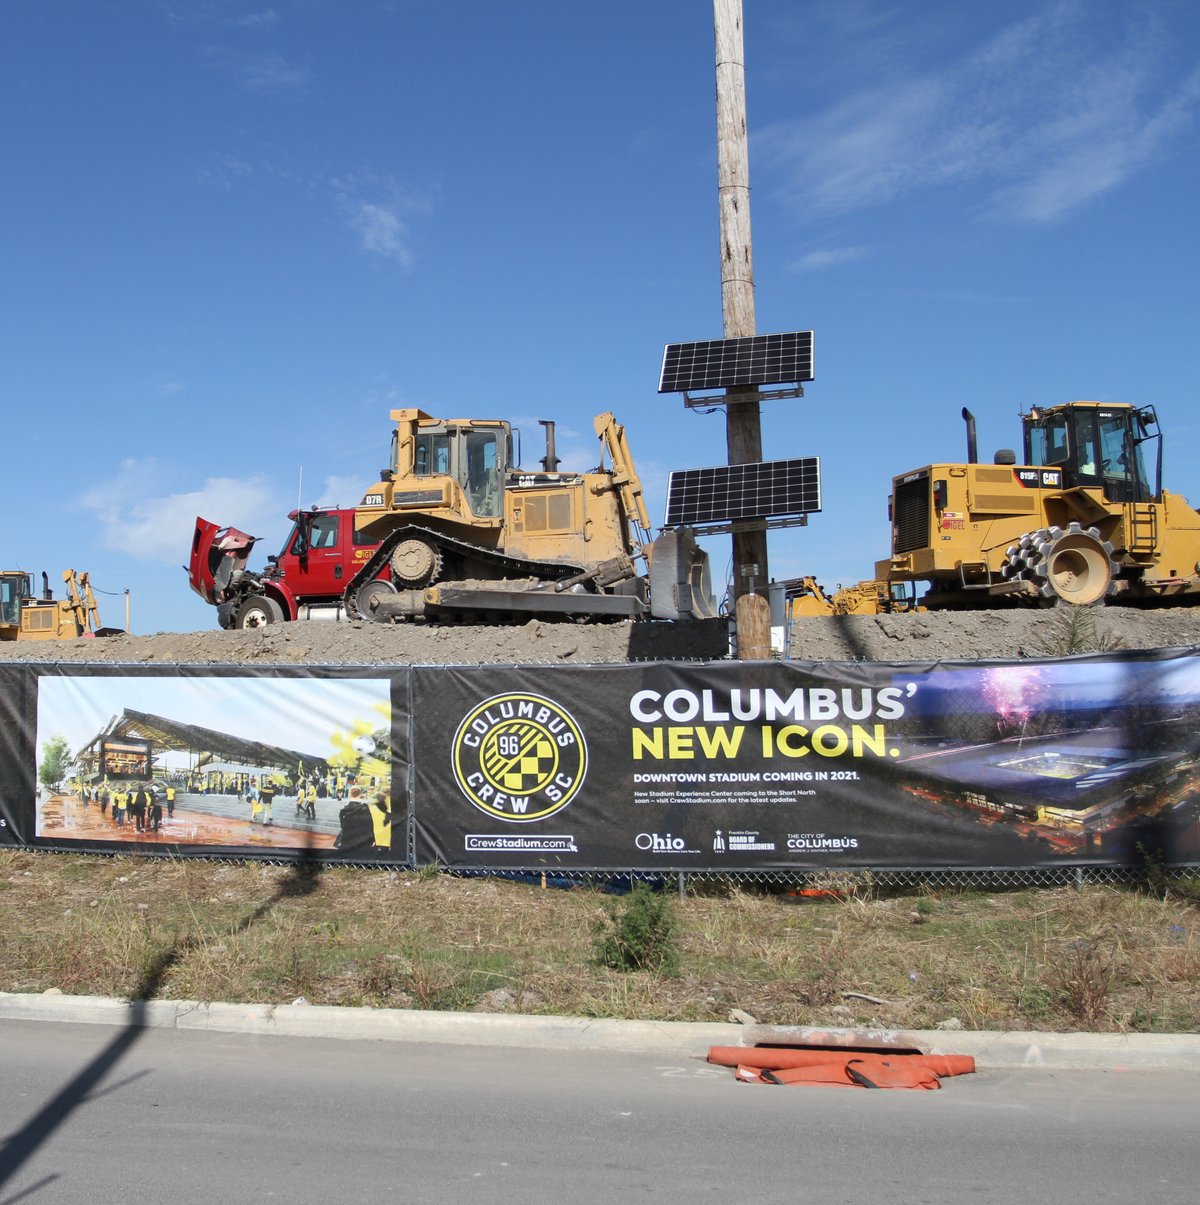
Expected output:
(519, 757)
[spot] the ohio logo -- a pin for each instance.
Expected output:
(519, 757)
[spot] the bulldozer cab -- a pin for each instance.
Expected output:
(1097, 446)
(475, 454)
(14, 587)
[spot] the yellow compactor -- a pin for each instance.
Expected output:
(1081, 519)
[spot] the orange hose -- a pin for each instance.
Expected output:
(779, 1058)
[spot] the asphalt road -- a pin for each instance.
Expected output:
(94, 1114)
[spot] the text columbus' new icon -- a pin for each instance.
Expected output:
(519, 757)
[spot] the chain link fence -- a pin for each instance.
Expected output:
(863, 881)
(860, 882)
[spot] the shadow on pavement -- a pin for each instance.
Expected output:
(302, 879)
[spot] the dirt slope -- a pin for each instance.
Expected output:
(919, 637)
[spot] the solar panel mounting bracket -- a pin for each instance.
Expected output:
(714, 400)
(724, 529)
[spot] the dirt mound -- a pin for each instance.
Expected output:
(925, 636)
(364, 643)
(981, 635)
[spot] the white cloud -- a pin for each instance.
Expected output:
(269, 72)
(1044, 115)
(263, 71)
(260, 20)
(224, 172)
(158, 527)
(374, 205)
(828, 257)
(1096, 144)
(380, 230)
(341, 491)
(377, 209)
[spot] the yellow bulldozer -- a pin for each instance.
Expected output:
(1081, 519)
(452, 508)
(28, 616)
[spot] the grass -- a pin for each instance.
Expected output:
(1066, 958)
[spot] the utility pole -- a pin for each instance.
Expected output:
(743, 428)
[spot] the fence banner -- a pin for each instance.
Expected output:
(658, 767)
(788, 765)
(246, 759)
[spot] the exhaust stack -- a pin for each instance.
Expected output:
(550, 460)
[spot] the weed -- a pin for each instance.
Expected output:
(1036, 1001)
(1154, 875)
(823, 979)
(638, 934)
(378, 977)
(1083, 979)
(1072, 630)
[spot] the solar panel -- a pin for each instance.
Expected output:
(728, 363)
(744, 491)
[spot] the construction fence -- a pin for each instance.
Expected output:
(1031, 770)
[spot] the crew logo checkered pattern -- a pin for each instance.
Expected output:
(519, 758)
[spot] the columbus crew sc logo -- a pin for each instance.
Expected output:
(519, 757)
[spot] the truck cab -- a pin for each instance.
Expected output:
(321, 553)
(304, 580)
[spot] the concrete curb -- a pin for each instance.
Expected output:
(678, 1039)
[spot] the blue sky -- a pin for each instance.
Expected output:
(237, 234)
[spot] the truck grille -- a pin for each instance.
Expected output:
(910, 515)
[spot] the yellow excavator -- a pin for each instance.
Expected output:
(28, 616)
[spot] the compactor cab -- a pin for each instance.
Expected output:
(1097, 446)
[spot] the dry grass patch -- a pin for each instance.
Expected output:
(1052, 959)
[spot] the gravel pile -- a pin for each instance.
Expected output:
(937, 636)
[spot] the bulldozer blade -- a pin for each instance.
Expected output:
(680, 586)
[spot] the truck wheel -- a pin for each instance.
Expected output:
(1073, 566)
(368, 597)
(415, 563)
(258, 612)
